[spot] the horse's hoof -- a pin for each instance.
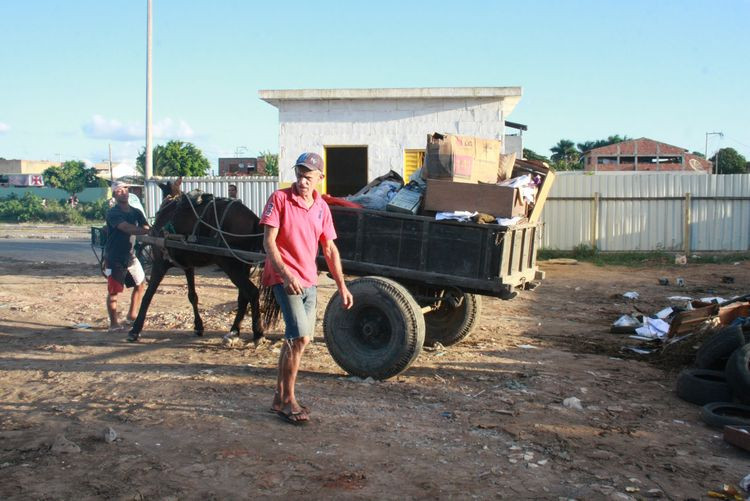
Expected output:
(133, 337)
(232, 339)
(199, 333)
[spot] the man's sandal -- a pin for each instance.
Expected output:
(293, 417)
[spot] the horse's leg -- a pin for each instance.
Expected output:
(248, 294)
(193, 297)
(158, 270)
(238, 317)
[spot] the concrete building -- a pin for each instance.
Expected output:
(365, 133)
(643, 155)
(25, 166)
(242, 166)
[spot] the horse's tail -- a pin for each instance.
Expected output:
(269, 307)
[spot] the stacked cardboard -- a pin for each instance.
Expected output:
(462, 173)
(462, 159)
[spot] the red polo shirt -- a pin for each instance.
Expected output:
(300, 230)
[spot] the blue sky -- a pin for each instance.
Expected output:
(73, 72)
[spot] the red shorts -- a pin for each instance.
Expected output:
(113, 286)
(134, 276)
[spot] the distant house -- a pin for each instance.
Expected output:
(242, 167)
(643, 155)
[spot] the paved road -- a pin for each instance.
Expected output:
(51, 251)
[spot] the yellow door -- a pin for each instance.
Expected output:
(413, 160)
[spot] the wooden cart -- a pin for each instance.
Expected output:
(419, 281)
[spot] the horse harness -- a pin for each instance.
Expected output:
(214, 238)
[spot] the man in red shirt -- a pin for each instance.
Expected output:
(295, 220)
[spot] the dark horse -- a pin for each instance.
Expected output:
(198, 216)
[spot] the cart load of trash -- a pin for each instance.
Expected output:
(461, 178)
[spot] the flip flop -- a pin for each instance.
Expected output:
(292, 417)
(303, 407)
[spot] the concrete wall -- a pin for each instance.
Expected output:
(25, 166)
(513, 144)
(386, 126)
(87, 195)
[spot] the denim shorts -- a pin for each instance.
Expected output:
(298, 311)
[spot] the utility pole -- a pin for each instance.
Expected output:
(720, 134)
(111, 175)
(148, 170)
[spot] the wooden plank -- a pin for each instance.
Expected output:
(517, 258)
(541, 197)
(360, 237)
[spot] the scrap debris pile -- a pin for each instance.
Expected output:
(717, 332)
(463, 178)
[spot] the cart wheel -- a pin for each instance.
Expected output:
(146, 257)
(453, 321)
(381, 335)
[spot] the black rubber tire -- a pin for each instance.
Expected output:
(702, 386)
(449, 324)
(738, 373)
(146, 257)
(381, 335)
(716, 350)
(721, 414)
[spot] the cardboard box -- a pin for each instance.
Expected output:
(406, 201)
(463, 159)
(499, 201)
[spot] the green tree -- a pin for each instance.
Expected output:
(532, 155)
(564, 150)
(590, 145)
(730, 162)
(72, 176)
(699, 154)
(272, 162)
(176, 158)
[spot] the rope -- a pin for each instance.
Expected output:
(222, 232)
(219, 230)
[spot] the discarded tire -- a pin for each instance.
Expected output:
(449, 324)
(702, 386)
(716, 350)
(381, 335)
(720, 414)
(738, 373)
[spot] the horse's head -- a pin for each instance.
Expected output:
(170, 189)
(171, 195)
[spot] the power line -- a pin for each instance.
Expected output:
(738, 142)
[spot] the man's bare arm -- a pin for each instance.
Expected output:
(291, 284)
(333, 259)
(132, 229)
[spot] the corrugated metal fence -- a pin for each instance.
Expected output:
(615, 211)
(648, 211)
(253, 191)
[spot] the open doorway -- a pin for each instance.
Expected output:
(346, 169)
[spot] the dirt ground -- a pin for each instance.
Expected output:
(482, 419)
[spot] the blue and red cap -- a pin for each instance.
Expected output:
(311, 161)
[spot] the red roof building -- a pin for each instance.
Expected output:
(643, 155)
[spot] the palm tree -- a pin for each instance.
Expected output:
(564, 150)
